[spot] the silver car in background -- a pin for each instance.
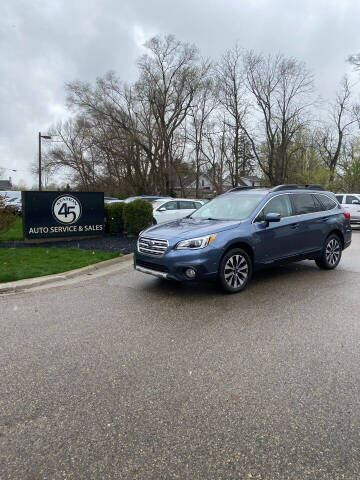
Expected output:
(172, 209)
(351, 203)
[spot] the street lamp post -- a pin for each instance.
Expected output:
(40, 137)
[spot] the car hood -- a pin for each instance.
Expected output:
(189, 227)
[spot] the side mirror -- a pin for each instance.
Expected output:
(272, 217)
(161, 209)
(356, 202)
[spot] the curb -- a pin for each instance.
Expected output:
(27, 283)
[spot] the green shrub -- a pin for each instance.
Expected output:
(7, 215)
(107, 212)
(114, 217)
(137, 216)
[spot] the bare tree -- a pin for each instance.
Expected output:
(231, 77)
(217, 150)
(280, 91)
(199, 117)
(149, 113)
(331, 138)
(169, 80)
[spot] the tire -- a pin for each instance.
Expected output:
(235, 270)
(331, 254)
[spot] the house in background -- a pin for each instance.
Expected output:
(186, 185)
(5, 184)
(250, 181)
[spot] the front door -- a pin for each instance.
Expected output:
(167, 211)
(278, 239)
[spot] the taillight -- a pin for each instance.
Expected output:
(347, 215)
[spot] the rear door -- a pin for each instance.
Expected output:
(278, 239)
(309, 213)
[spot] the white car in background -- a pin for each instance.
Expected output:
(351, 202)
(110, 200)
(172, 209)
(13, 199)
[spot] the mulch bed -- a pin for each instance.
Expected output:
(107, 243)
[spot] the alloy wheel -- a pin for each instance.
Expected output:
(236, 271)
(332, 252)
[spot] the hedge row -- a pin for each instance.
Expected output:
(128, 217)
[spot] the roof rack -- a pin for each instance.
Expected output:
(236, 189)
(297, 187)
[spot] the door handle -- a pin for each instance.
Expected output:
(294, 226)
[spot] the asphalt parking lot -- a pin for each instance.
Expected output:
(128, 377)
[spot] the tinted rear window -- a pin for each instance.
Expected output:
(319, 206)
(304, 203)
(328, 203)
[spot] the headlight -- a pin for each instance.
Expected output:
(195, 243)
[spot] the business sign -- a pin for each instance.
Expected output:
(62, 214)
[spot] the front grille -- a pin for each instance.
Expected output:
(152, 246)
(152, 266)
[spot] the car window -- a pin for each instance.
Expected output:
(280, 204)
(170, 205)
(351, 198)
(304, 203)
(339, 198)
(319, 206)
(229, 207)
(186, 205)
(198, 204)
(328, 203)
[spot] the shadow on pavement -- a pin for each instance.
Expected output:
(262, 277)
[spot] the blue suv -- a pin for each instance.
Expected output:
(246, 229)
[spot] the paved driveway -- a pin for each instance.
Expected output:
(127, 377)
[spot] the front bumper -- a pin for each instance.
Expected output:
(150, 272)
(174, 263)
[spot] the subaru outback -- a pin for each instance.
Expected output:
(244, 230)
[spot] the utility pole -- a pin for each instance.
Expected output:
(40, 137)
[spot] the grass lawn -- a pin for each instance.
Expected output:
(19, 263)
(15, 232)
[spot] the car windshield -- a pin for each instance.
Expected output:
(155, 200)
(229, 207)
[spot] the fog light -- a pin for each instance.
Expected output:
(190, 273)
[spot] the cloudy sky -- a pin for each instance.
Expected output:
(46, 43)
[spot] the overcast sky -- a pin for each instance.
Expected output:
(45, 43)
